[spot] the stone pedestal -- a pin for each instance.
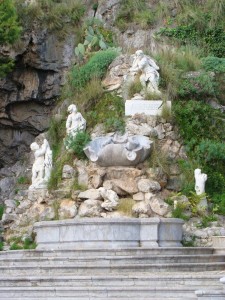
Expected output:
(108, 233)
(149, 107)
(218, 243)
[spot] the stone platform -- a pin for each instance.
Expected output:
(109, 233)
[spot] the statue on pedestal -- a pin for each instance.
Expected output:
(200, 179)
(41, 169)
(75, 121)
(149, 77)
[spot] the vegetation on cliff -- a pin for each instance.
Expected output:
(9, 32)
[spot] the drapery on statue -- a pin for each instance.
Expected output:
(200, 179)
(75, 121)
(42, 165)
(149, 72)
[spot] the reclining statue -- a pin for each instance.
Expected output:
(149, 77)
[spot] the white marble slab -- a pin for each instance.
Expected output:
(149, 107)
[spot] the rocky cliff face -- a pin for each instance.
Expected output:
(28, 94)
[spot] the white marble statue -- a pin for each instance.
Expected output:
(149, 72)
(107, 151)
(200, 179)
(42, 165)
(75, 121)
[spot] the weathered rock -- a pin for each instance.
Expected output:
(68, 172)
(90, 194)
(147, 185)
(111, 199)
(23, 206)
(82, 172)
(122, 172)
(159, 206)
(142, 209)
(143, 129)
(28, 93)
(160, 131)
(123, 187)
(10, 203)
(139, 196)
(90, 208)
(67, 209)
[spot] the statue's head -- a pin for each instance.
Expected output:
(197, 171)
(34, 146)
(72, 108)
(139, 53)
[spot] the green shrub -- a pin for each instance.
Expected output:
(214, 64)
(96, 67)
(114, 124)
(55, 16)
(133, 11)
(202, 129)
(2, 208)
(202, 85)
(56, 173)
(179, 212)
(206, 221)
(23, 180)
(77, 143)
(195, 23)
(1, 246)
(109, 110)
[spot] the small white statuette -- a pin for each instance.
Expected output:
(75, 121)
(42, 165)
(200, 179)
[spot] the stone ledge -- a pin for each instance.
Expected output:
(108, 233)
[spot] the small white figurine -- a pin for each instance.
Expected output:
(200, 179)
(42, 165)
(75, 121)
(150, 75)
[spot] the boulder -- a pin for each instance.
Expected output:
(147, 185)
(90, 208)
(142, 209)
(158, 206)
(111, 199)
(90, 194)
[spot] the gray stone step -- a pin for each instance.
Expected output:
(79, 269)
(107, 252)
(102, 298)
(111, 260)
(210, 295)
(96, 292)
(196, 281)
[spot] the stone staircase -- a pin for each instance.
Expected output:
(133, 273)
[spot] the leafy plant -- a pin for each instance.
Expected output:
(114, 124)
(133, 11)
(77, 143)
(206, 220)
(1, 246)
(23, 180)
(214, 64)
(189, 242)
(96, 67)
(96, 38)
(202, 85)
(179, 212)
(2, 208)
(56, 16)
(10, 31)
